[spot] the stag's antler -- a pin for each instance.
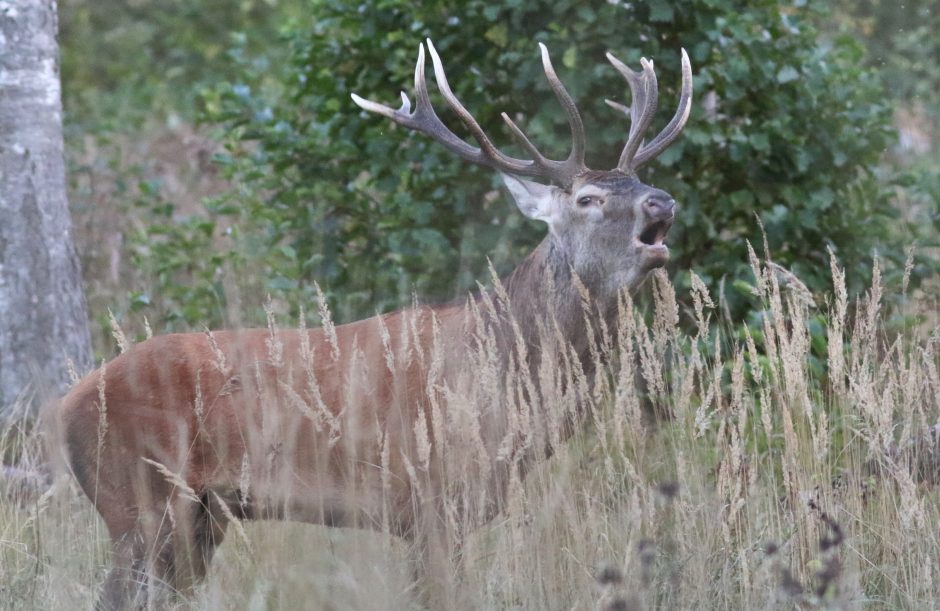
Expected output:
(425, 120)
(645, 92)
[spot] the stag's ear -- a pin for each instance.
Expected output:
(535, 200)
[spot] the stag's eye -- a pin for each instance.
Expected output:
(587, 200)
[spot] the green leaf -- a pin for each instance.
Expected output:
(139, 301)
(787, 74)
(280, 283)
(570, 57)
(498, 34)
(661, 10)
(741, 199)
(744, 288)
(760, 142)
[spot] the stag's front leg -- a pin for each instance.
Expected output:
(123, 588)
(164, 554)
(142, 572)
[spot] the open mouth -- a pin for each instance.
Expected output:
(654, 233)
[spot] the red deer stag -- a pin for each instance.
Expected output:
(357, 425)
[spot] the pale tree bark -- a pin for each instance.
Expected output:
(43, 319)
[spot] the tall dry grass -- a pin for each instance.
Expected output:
(725, 467)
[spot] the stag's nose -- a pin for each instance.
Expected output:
(660, 208)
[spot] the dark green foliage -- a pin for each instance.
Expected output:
(172, 247)
(784, 129)
(902, 41)
(124, 61)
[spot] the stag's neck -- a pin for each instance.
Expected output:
(542, 291)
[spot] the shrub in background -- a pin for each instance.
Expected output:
(785, 128)
(132, 74)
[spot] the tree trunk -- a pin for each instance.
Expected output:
(43, 320)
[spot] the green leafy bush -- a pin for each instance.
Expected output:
(902, 44)
(123, 62)
(784, 128)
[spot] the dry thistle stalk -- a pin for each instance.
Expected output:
(835, 331)
(665, 310)
(239, 528)
(700, 300)
(218, 356)
(102, 406)
(198, 405)
(908, 268)
(422, 440)
(326, 321)
(273, 342)
(760, 283)
(117, 333)
(244, 481)
(387, 347)
(174, 479)
(70, 369)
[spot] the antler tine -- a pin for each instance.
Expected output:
(425, 120)
(578, 139)
(574, 164)
(675, 126)
(497, 159)
(644, 97)
(564, 171)
(422, 99)
(537, 156)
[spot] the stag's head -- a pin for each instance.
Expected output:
(606, 224)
